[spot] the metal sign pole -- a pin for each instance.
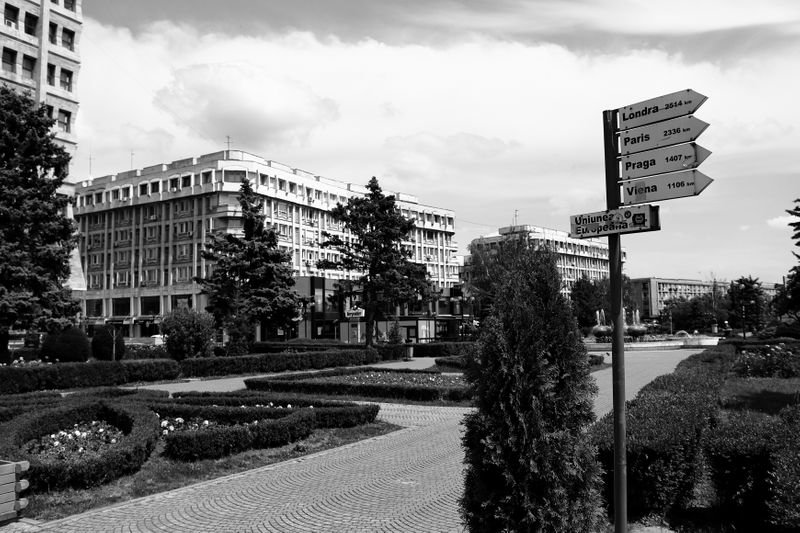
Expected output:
(617, 341)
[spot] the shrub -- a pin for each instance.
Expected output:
(138, 370)
(108, 344)
(453, 361)
(784, 478)
(145, 351)
(67, 345)
(665, 426)
(139, 425)
(279, 362)
(738, 452)
(442, 349)
(189, 334)
(530, 465)
(303, 345)
(392, 352)
(768, 361)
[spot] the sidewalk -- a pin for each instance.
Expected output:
(407, 481)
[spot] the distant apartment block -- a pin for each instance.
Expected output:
(142, 231)
(40, 56)
(576, 258)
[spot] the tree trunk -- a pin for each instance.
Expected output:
(370, 316)
(5, 354)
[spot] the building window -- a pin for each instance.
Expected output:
(28, 66)
(154, 186)
(186, 181)
(12, 16)
(142, 189)
(69, 4)
(31, 23)
(68, 39)
(9, 60)
(51, 75)
(207, 176)
(66, 79)
(53, 33)
(115, 194)
(64, 121)
(173, 184)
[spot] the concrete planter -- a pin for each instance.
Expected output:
(11, 485)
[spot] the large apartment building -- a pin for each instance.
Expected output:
(142, 231)
(576, 257)
(40, 56)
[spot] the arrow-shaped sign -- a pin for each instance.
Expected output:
(664, 187)
(675, 131)
(670, 159)
(634, 219)
(660, 108)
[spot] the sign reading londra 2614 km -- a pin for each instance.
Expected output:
(670, 159)
(664, 187)
(660, 108)
(635, 219)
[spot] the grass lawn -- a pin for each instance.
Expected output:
(160, 474)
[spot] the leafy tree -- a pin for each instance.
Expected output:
(36, 237)
(586, 301)
(787, 299)
(795, 225)
(188, 334)
(529, 463)
(69, 345)
(108, 344)
(251, 279)
(376, 253)
(747, 302)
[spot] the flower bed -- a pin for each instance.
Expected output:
(138, 425)
(370, 382)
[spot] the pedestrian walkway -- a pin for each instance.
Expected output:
(407, 481)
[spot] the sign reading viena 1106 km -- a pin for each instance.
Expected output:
(634, 219)
(664, 187)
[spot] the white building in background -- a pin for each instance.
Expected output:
(576, 257)
(142, 231)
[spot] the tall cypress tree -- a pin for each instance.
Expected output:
(36, 237)
(529, 464)
(386, 273)
(252, 278)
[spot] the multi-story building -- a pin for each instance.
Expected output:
(651, 295)
(40, 55)
(576, 257)
(142, 232)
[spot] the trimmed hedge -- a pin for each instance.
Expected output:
(18, 379)
(665, 425)
(454, 361)
(442, 349)
(784, 478)
(306, 345)
(219, 441)
(739, 456)
(330, 413)
(139, 425)
(301, 383)
(276, 362)
(16, 404)
(392, 352)
(145, 351)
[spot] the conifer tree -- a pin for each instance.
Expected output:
(376, 254)
(36, 237)
(251, 279)
(529, 463)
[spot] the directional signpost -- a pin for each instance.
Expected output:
(649, 153)
(664, 187)
(670, 159)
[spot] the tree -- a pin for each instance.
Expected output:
(795, 225)
(787, 299)
(36, 237)
(188, 334)
(108, 343)
(586, 301)
(747, 301)
(251, 279)
(386, 274)
(530, 465)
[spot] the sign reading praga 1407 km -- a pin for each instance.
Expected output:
(635, 219)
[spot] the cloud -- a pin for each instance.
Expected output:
(261, 108)
(780, 222)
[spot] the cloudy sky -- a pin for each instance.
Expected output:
(491, 108)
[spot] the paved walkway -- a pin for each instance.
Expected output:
(407, 481)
